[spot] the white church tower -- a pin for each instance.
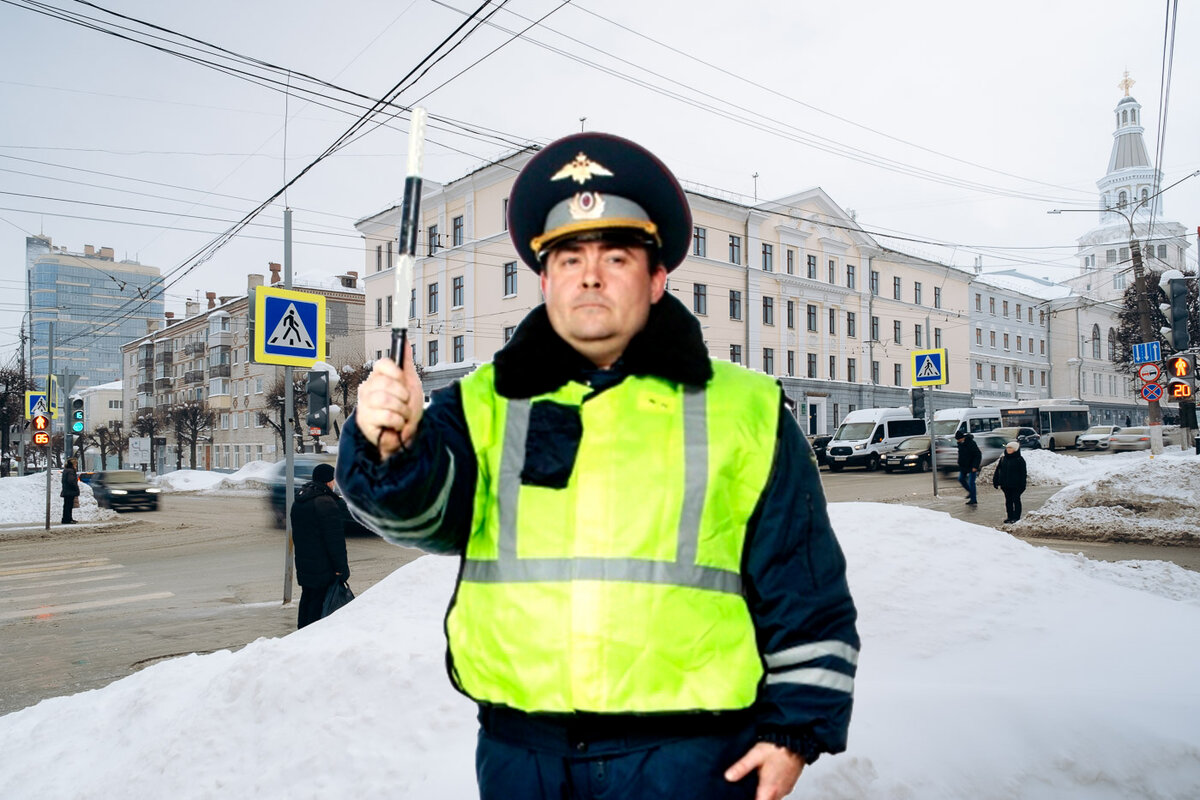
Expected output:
(1130, 199)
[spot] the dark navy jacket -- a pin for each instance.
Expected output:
(793, 569)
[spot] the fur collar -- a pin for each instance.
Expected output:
(536, 360)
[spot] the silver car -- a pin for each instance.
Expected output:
(1096, 437)
(1136, 438)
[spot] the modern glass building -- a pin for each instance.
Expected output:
(96, 304)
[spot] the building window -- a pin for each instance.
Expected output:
(388, 247)
(768, 257)
(937, 297)
(992, 306)
(456, 291)
(896, 289)
(510, 279)
(456, 232)
(791, 261)
(1043, 377)
(937, 337)
(917, 292)
(1096, 341)
(850, 276)
(378, 312)
(1008, 374)
(1162, 252)
(388, 310)
(917, 336)
(1004, 308)
(504, 214)
(433, 239)
(812, 317)
(811, 262)
(851, 325)
(1006, 341)
(699, 241)
(791, 314)
(833, 368)
(769, 360)
(874, 329)
(896, 376)
(768, 311)
(896, 335)
(378, 258)
(992, 368)
(700, 298)
(735, 353)
(832, 271)
(508, 332)
(1019, 344)
(735, 249)
(874, 282)
(1018, 315)
(433, 298)
(978, 371)
(791, 363)
(433, 353)
(735, 305)
(833, 321)
(460, 349)
(811, 365)
(979, 336)
(412, 303)
(874, 372)
(992, 339)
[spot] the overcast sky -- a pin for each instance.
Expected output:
(986, 116)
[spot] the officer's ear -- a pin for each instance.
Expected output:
(658, 283)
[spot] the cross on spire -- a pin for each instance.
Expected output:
(1126, 83)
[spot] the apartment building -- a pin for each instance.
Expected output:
(205, 357)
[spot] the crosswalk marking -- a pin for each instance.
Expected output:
(46, 589)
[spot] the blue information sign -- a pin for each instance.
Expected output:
(1146, 352)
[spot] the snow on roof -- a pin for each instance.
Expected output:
(1015, 281)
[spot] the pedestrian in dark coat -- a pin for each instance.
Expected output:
(318, 535)
(1010, 476)
(969, 461)
(70, 491)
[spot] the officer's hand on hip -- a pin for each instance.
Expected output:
(390, 404)
(778, 770)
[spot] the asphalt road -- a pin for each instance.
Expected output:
(82, 606)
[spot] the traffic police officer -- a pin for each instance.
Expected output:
(652, 602)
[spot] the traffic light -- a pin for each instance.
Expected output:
(77, 422)
(318, 402)
(918, 402)
(1181, 377)
(41, 430)
(1174, 286)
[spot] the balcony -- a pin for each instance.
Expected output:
(162, 384)
(194, 349)
(146, 388)
(146, 364)
(219, 371)
(163, 358)
(194, 376)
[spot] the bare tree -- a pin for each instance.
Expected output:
(12, 405)
(151, 423)
(192, 420)
(117, 441)
(276, 401)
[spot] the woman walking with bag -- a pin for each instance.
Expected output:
(70, 491)
(1010, 477)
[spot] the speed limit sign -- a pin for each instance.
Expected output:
(1149, 372)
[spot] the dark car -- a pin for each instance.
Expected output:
(819, 443)
(124, 490)
(303, 465)
(913, 454)
(1027, 437)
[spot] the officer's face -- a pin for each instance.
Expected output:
(598, 296)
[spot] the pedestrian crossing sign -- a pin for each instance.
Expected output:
(929, 367)
(289, 327)
(35, 404)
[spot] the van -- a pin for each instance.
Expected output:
(950, 421)
(866, 434)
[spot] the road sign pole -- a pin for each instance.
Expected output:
(289, 413)
(49, 404)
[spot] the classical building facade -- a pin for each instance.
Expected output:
(206, 357)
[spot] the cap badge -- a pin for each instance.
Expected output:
(586, 205)
(581, 170)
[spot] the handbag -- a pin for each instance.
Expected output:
(336, 596)
(76, 503)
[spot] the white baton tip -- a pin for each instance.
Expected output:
(416, 141)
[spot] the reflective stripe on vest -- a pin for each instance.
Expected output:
(684, 571)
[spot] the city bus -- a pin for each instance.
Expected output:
(1059, 423)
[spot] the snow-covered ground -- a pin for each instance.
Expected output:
(23, 499)
(990, 669)
(254, 478)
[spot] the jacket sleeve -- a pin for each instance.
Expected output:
(331, 525)
(421, 497)
(976, 456)
(804, 617)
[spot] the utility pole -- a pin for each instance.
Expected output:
(49, 410)
(289, 412)
(1146, 328)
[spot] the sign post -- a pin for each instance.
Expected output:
(931, 368)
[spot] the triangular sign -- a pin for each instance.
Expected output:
(290, 332)
(39, 407)
(928, 370)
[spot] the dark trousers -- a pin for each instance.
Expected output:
(1012, 504)
(68, 506)
(312, 598)
(519, 757)
(967, 480)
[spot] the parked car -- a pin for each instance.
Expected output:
(867, 434)
(124, 490)
(1026, 437)
(819, 444)
(1096, 437)
(913, 454)
(303, 465)
(1135, 438)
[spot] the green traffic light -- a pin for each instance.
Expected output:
(77, 427)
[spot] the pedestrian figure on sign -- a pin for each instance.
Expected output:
(651, 603)
(293, 330)
(969, 460)
(1009, 477)
(70, 491)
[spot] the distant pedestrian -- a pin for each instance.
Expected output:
(319, 538)
(969, 461)
(1010, 477)
(70, 491)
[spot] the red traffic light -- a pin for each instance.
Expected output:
(1179, 367)
(41, 423)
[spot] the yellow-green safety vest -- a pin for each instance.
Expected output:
(620, 593)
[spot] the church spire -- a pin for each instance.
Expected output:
(1130, 177)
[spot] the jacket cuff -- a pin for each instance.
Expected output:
(800, 742)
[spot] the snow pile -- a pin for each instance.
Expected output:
(23, 499)
(1138, 499)
(254, 478)
(187, 480)
(989, 669)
